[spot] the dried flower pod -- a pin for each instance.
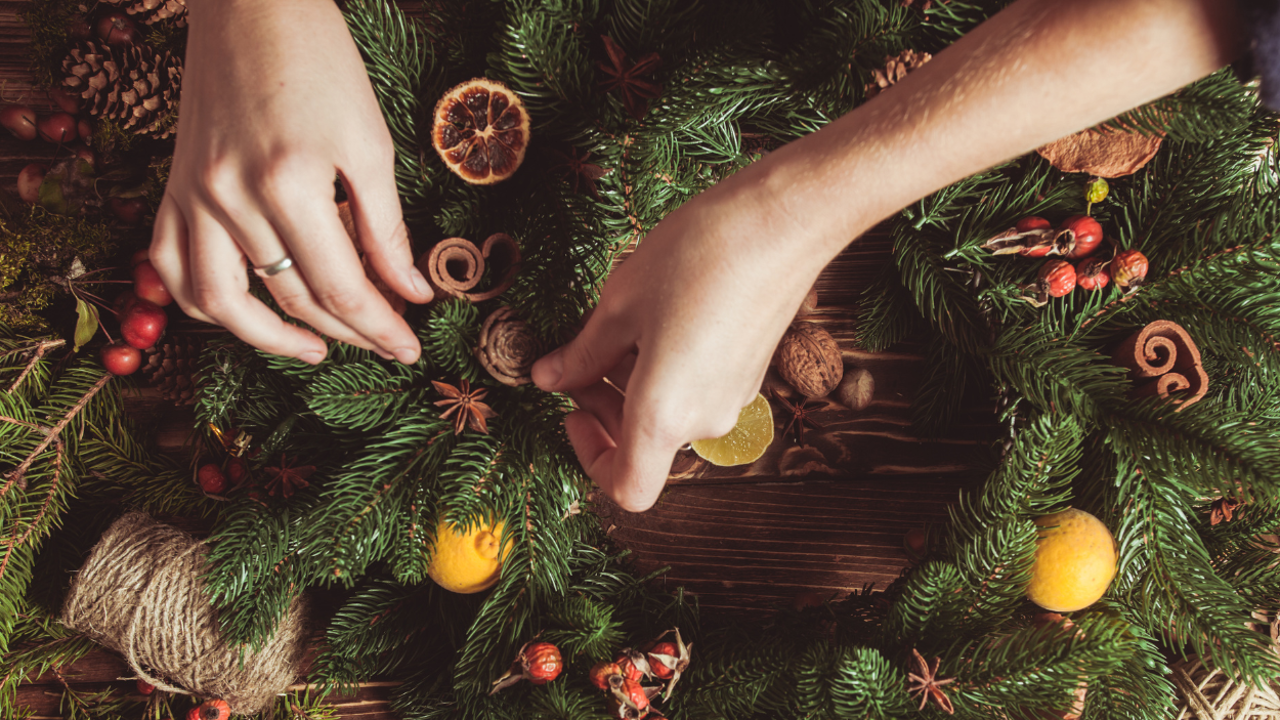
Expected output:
(856, 389)
(507, 347)
(809, 359)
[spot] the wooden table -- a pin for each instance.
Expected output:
(743, 540)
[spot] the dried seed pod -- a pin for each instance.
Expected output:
(507, 347)
(856, 389)
(809, 359)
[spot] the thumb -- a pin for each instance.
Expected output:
(584, 360)
(379, 224)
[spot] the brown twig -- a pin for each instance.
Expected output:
(44, 508)
(18, 475)
(40, 349)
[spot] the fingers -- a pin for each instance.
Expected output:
(596, 351)
(375, 206)
(632, 472)
(169, 256)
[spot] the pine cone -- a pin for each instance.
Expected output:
(152, 11)
(134, 85)
(171, 366)
(895, 68)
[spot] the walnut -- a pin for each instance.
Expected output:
(809, 359)
(856, 389)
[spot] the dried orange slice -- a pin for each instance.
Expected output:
(746, 442)
(481, 131)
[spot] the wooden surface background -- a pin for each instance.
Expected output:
(744, 540)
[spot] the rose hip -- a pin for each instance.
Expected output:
(1084, 235)
(1057, 278)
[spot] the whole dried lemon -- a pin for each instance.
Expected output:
(481, 131)
(467, 560)
(1076, 560)
(746, 442)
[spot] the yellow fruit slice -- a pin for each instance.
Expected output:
(467, 562)
(746, 442)
(1076, 560)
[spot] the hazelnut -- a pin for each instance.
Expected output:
(856, 389)
(809, 359)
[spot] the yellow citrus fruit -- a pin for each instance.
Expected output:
(746, 442)
(470, 561)
(1075, 561)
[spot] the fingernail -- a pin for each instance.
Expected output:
(420, 283)
(382, 353)
(548, 371)
(311, 357)
(408, 356)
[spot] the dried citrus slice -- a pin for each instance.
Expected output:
(746, 442)
(481, 131)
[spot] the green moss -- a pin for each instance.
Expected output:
(49, 41)
(37, 249)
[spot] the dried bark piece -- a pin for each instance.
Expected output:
(1104, 154)
(508, 347)
(349, 224)
(455, 266)
(1163, 360)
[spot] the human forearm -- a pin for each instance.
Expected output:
(1035, 72)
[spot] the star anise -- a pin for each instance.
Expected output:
(926, 683)
(465, 406)
(286, 478)
(580, 172)
(1222, 509)
(801, 415)
(626, 78)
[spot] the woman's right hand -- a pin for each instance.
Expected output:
(275, 104)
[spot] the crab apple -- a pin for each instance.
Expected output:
(118, 30)
(85, 129)
(142, 323)
(58, 128)
(1057, 278)
(19, 120)
(1092, 274)
(211, 479)
(1129, 269)
(1085, 235)
(123, 302)
(120, 358)
(129, 211)
(86, 154)
(78, 28)
(148, 285)
(29, 181)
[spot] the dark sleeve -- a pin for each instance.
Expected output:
(1262, 17)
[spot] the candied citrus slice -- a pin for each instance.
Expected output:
(467, 561)
(746, 442)
(481, 131)
(1076, 560)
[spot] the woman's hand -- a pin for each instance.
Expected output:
(275, 104)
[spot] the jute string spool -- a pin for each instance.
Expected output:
(141, 593)
(1207, 693)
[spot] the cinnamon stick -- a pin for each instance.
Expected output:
(1164, 361)
(455, 266)
(507, 347)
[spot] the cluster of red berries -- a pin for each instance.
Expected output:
(623, 678)
(142, 318)
(1078, 238)
(64, 128)
(215, 481)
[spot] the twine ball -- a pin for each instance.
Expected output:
(1206, 693)
(141, 593)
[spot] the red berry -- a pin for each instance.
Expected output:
(542, 662)
(605, 675)
(1084, 235)
(210, 710)
(211, 479)
(237, 471)
(66, 100)
(130, 211)
(30, 179)
(145, 688)
(142, 323)
(58, 128)
(148, 285)
(121, 359)
(659, 655)
(1092, 274)
(1057, 278)
(19, 120)
(118, 29)
(1129, 269)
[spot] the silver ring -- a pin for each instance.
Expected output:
(275, 268)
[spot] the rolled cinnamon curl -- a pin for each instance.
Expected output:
(455, 266)
(1164, 361)
(508, 347)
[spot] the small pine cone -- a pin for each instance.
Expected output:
(133, 85)
(895, 68)
(171, 366)
(153, 11)
(507, 347)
